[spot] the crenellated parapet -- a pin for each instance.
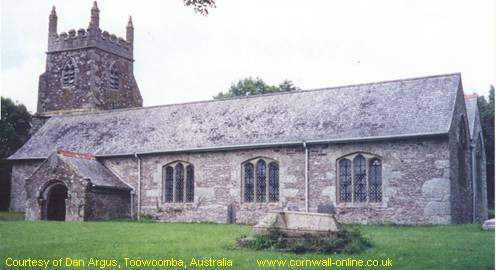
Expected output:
(92, 37)
(85, 38)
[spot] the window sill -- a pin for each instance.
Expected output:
(361, 205)
(248, 205)
(177, 203)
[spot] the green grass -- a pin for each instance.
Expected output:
(9, 216)
(429, 247)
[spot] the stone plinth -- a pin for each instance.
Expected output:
(298, 223)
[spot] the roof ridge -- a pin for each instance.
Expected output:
(257, 96)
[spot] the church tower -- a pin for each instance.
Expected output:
(87, 70)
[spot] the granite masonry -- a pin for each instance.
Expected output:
(402, 151)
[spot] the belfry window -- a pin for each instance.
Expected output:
(69, 73)
(178, 180)
(260, 180)
(359, 178)
(115, 77)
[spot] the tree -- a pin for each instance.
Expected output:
(200, 6)
(14, 132)
(250, 87)
(486, 107)
(14, 127)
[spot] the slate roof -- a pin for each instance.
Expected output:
(472, 111)
(392, 108)
(92, 169)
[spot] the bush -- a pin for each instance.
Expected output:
(346, 241)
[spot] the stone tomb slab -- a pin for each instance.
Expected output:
(296, 224)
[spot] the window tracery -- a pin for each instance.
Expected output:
(359, 178)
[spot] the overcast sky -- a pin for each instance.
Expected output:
(182, 56)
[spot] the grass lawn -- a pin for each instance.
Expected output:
(430, 247)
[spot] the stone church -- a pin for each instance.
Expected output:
(404, 151)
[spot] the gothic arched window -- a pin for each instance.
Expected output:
(273, 182)
(69, 73)
(178, 182)
(190, 183)
(115, 76)
(375, 180)
(260, 181)
(360, 178)
(168, 173)
(248, 182)
(345, 180)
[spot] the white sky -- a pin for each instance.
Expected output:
(182, 56)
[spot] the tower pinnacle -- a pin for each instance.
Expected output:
(95, 16)
(130, 31)
(52, 22)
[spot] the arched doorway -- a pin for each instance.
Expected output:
(55, 202)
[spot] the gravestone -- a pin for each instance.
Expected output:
(488, 225)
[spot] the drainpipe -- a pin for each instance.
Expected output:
(472, 161)
(139, 187)
(132, 203)
(306, 175)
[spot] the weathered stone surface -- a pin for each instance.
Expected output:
(436, 189)
(420, 174)
(478, 154)
(298, 223)
(89, 197)
(488, 225)
(360, 111)
(93, 53)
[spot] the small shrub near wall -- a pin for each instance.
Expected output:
(346, 241)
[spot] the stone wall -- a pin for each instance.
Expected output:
(20, 171)
(416, 180)
(102, 204)
(52, 171)
(481, 184)
(461, 186)
(91, 89)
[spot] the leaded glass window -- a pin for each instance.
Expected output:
(273, 182)
(359, 178)
(345, 180)
(69, 73)
(248, 181)
(179, 192)
(169, 184)
(360, 184)
(375, 180)
(115, 76)
(190, 183)
(178, 182)
(260, 181)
